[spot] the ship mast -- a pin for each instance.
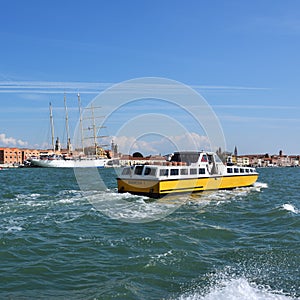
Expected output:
(52, 126)
(94, 129)
(67, 125)
(80, 122)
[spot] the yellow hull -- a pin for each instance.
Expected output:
(158, 188)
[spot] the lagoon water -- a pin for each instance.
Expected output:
(239, 244)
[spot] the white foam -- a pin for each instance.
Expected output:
(222, 196)
(130, 208)
(69, 192)
(69, 217)
(66, 200)
(27, 196)
(165, 258)
(70, 197)
(237, 289)
(14, 229)
(290, 207)
(35, 195)
(261, 185)
(34, 204)
(219, 196)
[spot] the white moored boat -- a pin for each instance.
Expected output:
(186, 172)
(55, 161)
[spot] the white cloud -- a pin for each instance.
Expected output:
(10, 141)
(191, 141)
(165, 145)
(21, 143)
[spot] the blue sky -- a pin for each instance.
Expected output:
(242, 56)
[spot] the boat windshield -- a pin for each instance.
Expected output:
(188, 157)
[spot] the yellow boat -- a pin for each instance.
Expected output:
(186, 172)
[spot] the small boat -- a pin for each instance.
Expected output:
(185, 172)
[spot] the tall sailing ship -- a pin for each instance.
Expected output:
(92, 156)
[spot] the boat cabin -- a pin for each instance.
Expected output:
(186, 164)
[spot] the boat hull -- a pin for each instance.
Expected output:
(57, 163)
(159, 188)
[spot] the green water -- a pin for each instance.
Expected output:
(240, 244)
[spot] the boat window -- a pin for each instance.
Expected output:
(201, 170)
(193, 171)
(251, 170)
(174, 171)
(138, 170)
(204, 158)
(126, 171)
(242, 170)
(184, 172)
(164, 172)
(236, 170)
(150, 171)
(247, 170)
(147, 171)
(229, 170)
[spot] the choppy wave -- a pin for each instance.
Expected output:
(26, 209)
(53, 239)
(237, 289)
(139, 209)
(131, 208)
(290, 207)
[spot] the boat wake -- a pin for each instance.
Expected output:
(225, 195)
(139, 209)
(131, 208)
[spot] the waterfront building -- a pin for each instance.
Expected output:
(266, 160)
(16, 156)
(242, 160)
(294, 160)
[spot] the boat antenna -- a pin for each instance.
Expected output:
(80, 121)
(52, 126)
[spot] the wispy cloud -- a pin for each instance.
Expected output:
(41, 87)
(254, 120)
(259, 107)
(229, 87)
(10, 141)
